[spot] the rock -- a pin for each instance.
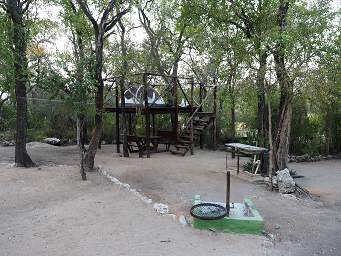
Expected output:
(274, 182)
(183, 221)
(6, 143)
(306, 157)
(161, 208)
(286, 183)
(298, 159)
(53, 141)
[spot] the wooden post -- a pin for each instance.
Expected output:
(124, 119)
(176, 105)
(191, 112)
(215, 115)
(200, 101)
(153, 123)
(129, 124)
(118, 150)
(147, 114)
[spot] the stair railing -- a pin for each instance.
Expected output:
(202, 103)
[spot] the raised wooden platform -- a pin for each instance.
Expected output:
(155, 110)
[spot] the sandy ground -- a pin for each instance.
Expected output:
(322, 179)
(49, 211)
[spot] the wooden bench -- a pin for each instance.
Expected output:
(136, 145)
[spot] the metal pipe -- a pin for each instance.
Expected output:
(228, 193)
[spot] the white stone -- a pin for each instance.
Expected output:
(183, 221)
(286, 183)
(161, 208)
(52, 141)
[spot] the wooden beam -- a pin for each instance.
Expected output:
(153, 123)
(118, 150)
(191, 124)
(124, 120)
(200, 101)
(147, 115)
(176, 105)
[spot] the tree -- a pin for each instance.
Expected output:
(167, 34)
(297, 40)
(6, 62)
(79, 86)
(102, 29)
(17, 10)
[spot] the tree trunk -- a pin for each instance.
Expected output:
(89, 159)
(281, 143)
(261, 115)
(78, 127)
(19, 39)
(122, 88)
(270, 140)
(231, 92)
(233, 122)
(282, 139)
(81, 144)
(329, 128)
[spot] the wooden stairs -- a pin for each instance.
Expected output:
(201, 121)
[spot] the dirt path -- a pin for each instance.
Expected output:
(49, 211)
(322, 179)
(64, 215)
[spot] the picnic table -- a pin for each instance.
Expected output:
(138, 143)
(153, 139)
(238, 148)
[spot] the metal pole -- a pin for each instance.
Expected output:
(226, 161)
(228, 179)
(238, 161)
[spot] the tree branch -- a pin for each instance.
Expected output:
(85, 8)
(115, 19)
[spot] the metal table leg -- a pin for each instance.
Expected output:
(238, 161)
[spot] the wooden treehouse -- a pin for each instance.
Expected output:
(189, 106)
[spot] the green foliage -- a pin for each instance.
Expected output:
(208, 40)
(248, 166)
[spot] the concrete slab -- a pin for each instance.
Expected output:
(243, 219)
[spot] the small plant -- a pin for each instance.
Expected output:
(248, 166)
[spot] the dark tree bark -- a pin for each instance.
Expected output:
(16, 10)
(102, 29)
(81, 145)
(231, 92)
(124, 53)
(262, 124)
(328, 130)
(281, 142)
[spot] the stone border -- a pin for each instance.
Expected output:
(160, 208)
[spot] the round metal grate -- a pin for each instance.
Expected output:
(208, 211)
